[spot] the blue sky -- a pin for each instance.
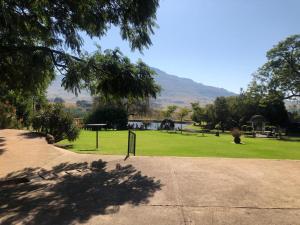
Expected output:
(215, 42)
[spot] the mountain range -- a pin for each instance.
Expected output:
(175, 91)
(182, 91)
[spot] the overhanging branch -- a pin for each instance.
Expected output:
(51, 52)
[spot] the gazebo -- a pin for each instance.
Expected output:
(258, 123)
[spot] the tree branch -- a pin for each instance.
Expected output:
(5, 49)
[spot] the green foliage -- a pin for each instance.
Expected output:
(117, 76)
(247, 128)
(7, 116)
(77, 112)
(24, 106)
(55, 121)
(83, 104)
(183, 112)
(236, 111)
(115, 118)
(271, 128)
(199, 114)
(236, 133)
(218, 126)
(294, 116)
(167, 124)
(25, 72)
(168, 113)
(271, 106)
(37, 36)
(221, 111)
(60, 23)
(138, 107)
(274, 110)
(280, 74)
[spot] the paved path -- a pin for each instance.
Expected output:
(69, 188)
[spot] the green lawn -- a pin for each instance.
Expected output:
(174, 144)
(193, 127)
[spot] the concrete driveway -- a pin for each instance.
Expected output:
(41, 184)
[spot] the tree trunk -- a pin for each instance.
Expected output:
(181, 125)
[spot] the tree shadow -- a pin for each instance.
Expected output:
(31, 135)
(195, 134)
(71, 147)
(2, 145)
(71, 193)
(288, 139)
(64, 146)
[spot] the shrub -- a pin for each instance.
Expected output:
(270, 128)
(7, 115)
(218, 127)
(50, 139)
(55, 121)
(114, 117)
(236, 134)
(146, 124)
(167, 124)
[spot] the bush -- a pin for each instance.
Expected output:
(167, 124)
(247, 128)
(236, 134)
(115, 118)
(55, 121)
(50, 139)
(146, 124)
(270, 128)
(7, 116)
(218, 127)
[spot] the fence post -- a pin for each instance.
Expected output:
(134, 144)
(128, 147)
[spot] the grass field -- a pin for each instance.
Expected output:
(160, 143)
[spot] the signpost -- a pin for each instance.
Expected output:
(97, 126)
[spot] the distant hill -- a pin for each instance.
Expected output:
(175, 90)
(55, 90)
(183, 91)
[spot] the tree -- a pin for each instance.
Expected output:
(58, 100)
(210, 116)
(274, 110)
(199, 114)
(114, 117)
(183, 112)
(112, 74)
(25, 105)
(281, 73)
(221, 111)
(132, 105)
(169, 111)
(55, 121)
(38, 38)
(269, 105)
(137, 106)
(7, 116)
(83, 104)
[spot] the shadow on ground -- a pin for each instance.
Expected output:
(71, 147)
(290, 139)
(64, 146)
(2, 144)
(72, 193)
(196, 134)
(31, 135)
